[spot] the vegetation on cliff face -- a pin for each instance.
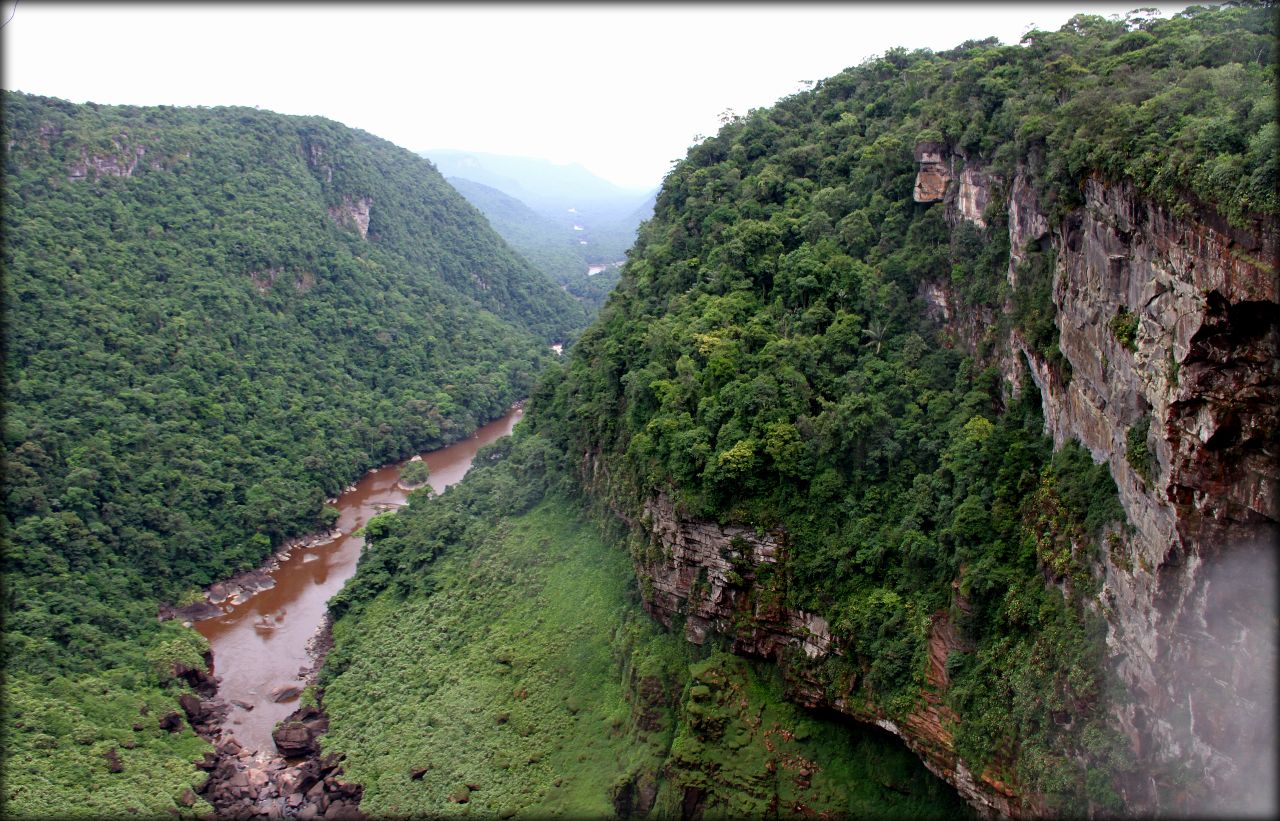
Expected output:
(492, 658)
(766, 358)
(214, 318)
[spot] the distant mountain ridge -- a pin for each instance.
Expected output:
(537, 182)
(562, 217)
(540, 239)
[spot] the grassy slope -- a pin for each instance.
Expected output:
(531, 673)
(59, 736)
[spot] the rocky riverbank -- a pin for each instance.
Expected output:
(246, 786)
(293, 781)
(242, 586)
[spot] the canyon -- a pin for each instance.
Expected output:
(1187, 590)
(268, 633)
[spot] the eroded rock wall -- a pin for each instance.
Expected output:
(1189, 593)
(715, 579)
(1190, 597)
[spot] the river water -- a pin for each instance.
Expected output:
(262, 643)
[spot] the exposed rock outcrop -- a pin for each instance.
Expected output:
(934, 173)
(1189, 594)
(297, 735)
(249, 785)
(119, 163)
(295, 781)
(353, 212)
(264, 280)
(714, 579)
(1190, 600)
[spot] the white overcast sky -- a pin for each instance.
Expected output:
(621, 88)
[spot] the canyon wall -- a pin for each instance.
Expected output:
(718, 580)
(1184, 410)
(1168, 324)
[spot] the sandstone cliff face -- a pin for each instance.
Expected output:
(353, 213)
(1190, 597)
(934, 174)
(122, 161)
(716, 579)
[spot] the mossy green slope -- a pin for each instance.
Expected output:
(516, 675)
(92, 745)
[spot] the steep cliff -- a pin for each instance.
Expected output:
(1190, 599)
(951, 386)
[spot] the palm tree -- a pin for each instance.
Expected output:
(876, 331)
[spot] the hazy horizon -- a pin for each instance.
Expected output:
(621, 89)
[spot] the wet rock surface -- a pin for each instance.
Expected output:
(1189, 596)
(251, 785)
(707, 574)
(293, 781)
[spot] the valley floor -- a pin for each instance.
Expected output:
(529, 682)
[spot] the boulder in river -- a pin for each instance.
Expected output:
(191, 706)
(294, 740)
(296, 735)
(284, 692)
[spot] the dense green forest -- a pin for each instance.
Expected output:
(214, 319)
(548, 245)
(766, 359)
(492, 659)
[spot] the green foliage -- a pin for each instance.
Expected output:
(1136, 451)
(1124, 326)
(765, 359)
(516, 659)
(1034, 309)
(199, 351)
(750, 753)
(62, 733)
(415, 473)
(176, 648)
(202, 344)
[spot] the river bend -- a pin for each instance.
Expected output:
(261, 643)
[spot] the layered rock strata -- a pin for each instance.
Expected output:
(934, 173)
(1189, 593)
(1190, 596)
(716, 580)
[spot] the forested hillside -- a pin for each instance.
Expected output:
(822, 349)
(493, 660)
(214, 319)
(930, 398)
(769, 360)
(548, 245)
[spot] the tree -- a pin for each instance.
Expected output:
(414, 473)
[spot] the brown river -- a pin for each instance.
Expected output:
(261, 643)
